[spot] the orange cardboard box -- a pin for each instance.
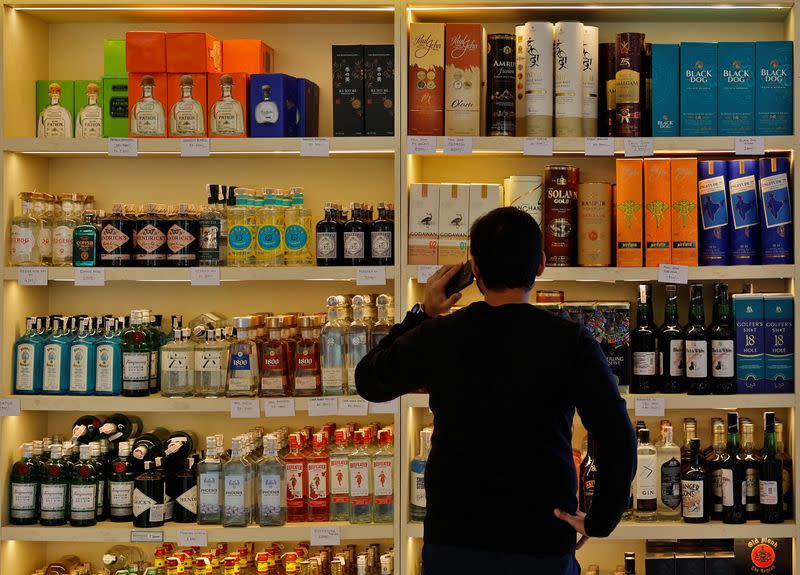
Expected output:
(657, 212)
(147, 105)
(684, 211)
(188, 103)
(227, 105)
(193, 52)
(146, 52)
(247, 55)
(628, 210)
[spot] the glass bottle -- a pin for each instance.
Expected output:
(148, 446)
(275, 380)
(271, 507)
(120, 485)
(694, 488)
(226, 117)
(148, 497)
(270, 244)
(211, 365)
(586, 477)
(237, 504)
(54, 488)
(382, 237)
(340, 477)
(317, 463)
(307, 376)
(55, 372)
(116, 238)
(24, 489)
(100, 470)
(243, 367)
(358, 337)
(327, 245)
(28, 359)
(147, 115)
(209, 472)
(669, 470)
(734, 480)
(43, 212)
(85, 246)
(643, 343)
(83, 491)
(296, 481)
(360, 480)
(149, 247)
(89, 123)
(63, 229)
(354, 238)
(152, 325)
(136, 349)
(187, 118)
(646, 477)
(752, 464)
(108, 359)
(241, 243)
(82, 363)
(696, 344)
(720, 335)
(689, 433)
(177, 365)
(209, 230)
(715, 470)
(770, 478)
(788, 471)
(266, 111)
(418, 500)
(24, 244)
(183, 484)
(670, 340)
(182, 234)
(383, 478)
(55, 121)
(333, 349)
(385, 323)
(298, 231)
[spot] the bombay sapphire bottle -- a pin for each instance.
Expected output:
(55, 373)
(28, 359)
(82, 362)
(108, 359)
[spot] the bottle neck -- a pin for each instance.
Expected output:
(770, 444)
(722, 313)
(671, 313)
(733, 441)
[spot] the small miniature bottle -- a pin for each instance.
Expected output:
(24, 488)
(646, 477)
(271, 504)
(209, 479)
(243, 366)
(383, 478)
(54, 488)
(418, 501)
(360, 481)
(340, 478)
(148, 497)
(211, 365)
(85, 245)
(307, 376)
(296, 481)
(177, 365)
(317, 463)
(275, 378)
(83, 491)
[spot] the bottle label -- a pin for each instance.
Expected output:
(296, 237)
(269, 237)
(150, 239)
(177, 361)
(418, 495)
(188, 499)
(240, 238)
(676, 357)
(382, 480)
(26, 355)
(62, 243)
(153, 364)
(178, 238)
(51, 374)
(722, 358)
(768, 492)
(692, 498)
(120, 494)
(274, 383)
(23, 500)
(295, 484)
(671, 483)
(240, 362)
(317, 483)
(305, 382)
(208, 360)
(696, 359)
(101, 493)
(45, 242)
(340, 475)
(716, 489)
(82, 501)
(646, 477)
(353, 245)
(22, 242)
(54, 501)
(135, 370)
(381, 244)
(209, 493)
(271, 494)
(644, 363)
(359, 481)
(209, 235)
(727, 487)
(78, 372)
(112, 238)
(326, 245)
(751, 490)
(332, 379)
(234, 502)
(104, 372)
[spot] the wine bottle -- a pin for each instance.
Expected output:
(694, 488)
(770, 479)
(643, 343)
(83, 491)
(148, 497)
(671, 346)
(696, 342)
(120, 485)
(120, 427)
(720, 335)
(734, 482)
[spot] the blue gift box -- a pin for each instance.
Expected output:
(748, 315)
(779, 343)
(273, 106)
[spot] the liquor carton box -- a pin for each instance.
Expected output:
(736, 90)
(148, 105)
(615, 337)
(753, 554)
(463, 59)
(348, 90)
(628, 209)
(720, 563)
(379, 90)
(659, 563)
(227, 105)
(690, 563)
(308, 106)
(187, 95)
(273, 106)
(666, 82)
(193, 52)
(115, 106)
(247, 55)
(581, 312)
(55, 108)
(88, 109)
(779, 343)
(658, 219)
(683, 199)
(483, 198)
(145, 51)
(774, 85)
(426, 79)
(114, 58)
(776, 216)
(698, 89)
(745, 232)
(712, 188)
(453, 223)
(423, 224)
(748, 316)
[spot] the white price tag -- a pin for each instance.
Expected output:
(353, 406)
(195, 147)
(315, 147)
(638, 147)
(90, 277)
(385, 407)
(147, 536)
(424, 273)
(192, 538)
(750, 145)
(324, 536)
(322, 406)
(649, 407)
(245, 409)
(123, 147)
(9, 406)
(598, 146)
(205, 276)
(537, 147)
(673, 274)
(457, 145)
(372, 276)
(279, 407)
(32, 276)
(423, 145)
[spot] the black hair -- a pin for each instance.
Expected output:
(506, 245)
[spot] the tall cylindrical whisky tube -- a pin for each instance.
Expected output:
(589, 77)
(520, 112)
(568, 85)
(525, 193)
(712, 188)
(500, 85)
(560, 214)
(594, 224)
(629, 48)
(539, 78)
(607, 104)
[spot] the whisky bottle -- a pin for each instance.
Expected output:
(24, 488)
(752, 463)
(715, 470)
(89, 124)
(55, 121)
(720, 335)
(24, 247)
(226, 114)
(696, 344)
(643, 343)
(770, 478)
(266, 111)
(84, 241)
(734, 480)
(83, 491)
(671, 346)
(694, 488)
(147, 114)
(186, 117)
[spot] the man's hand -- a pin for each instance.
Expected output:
(577, 522)
(435, 302)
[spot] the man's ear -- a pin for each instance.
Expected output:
(542, 262)
(475, 270)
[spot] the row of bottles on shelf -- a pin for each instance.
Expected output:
(259, 355)
(238, 227)
(109, 472)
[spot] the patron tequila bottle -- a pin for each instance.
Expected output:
(89, 124)
(267, 111)
(64, 228)
(25, 250)
(211, 365)
(334, 349)
(227, 116)
(147, 115)
(186, 117)
(55, 121)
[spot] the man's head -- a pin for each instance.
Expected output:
(507, 251)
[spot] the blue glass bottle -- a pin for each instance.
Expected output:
(82, 363)
(55, 371)
(108, 359)
(28, 358)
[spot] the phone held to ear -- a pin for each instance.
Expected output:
(459, 282)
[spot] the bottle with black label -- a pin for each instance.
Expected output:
(696, 344)
(643, 343)
(355, 232)
(120, 485)
(148, 497)
(671, 346)
(326, 237)
(150, 244)
(148, 446)
(720, 334)
(116, 238)
(382, 243)
(182, 232)
(770, 478)
(177, 448)
(500, 85)
(183, 490)
(209, 230)
(734, 479)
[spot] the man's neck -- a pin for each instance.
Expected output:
(498, 298)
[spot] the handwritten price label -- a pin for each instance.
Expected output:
(457, 145)
(205, 276)
(245, 409)
(315, 147)
(598, 146)
(147, 536)
(322, 406)
(123, 147)
(283, 407)
(195, 147)
(90, 277)
(9, 406)
(353, 406)
(421, 145)
(424, 273)
(32, 276)
(192, 538)
(638, 147)
(673, 274)
(323, 536)
(750, 146)
(371, 276)
(649, 407)
(537, 147)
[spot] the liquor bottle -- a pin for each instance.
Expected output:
(788, 471)
(24, 247)
(54, 485)
(669, 471)
(646, 477)
(317, 466)
(689, 433)
(671, 346)
(271, 218)
(147, 114)
(82, 362)
(43, 211)
(63, 228)
(243, 368)
(333, 348)
(327, 244)
(136, 349)
(734, 481)
(178, 447)
(186, 118)
(307, 373)
(720, 334)
(696, 344)
(695, 508)
(210, 230)
(226, 117)
(148, 446)
(183, 488)
(177, 365)
(149, 245)
(266, 111)
(83, 491)
(29, 359)
(182, 234)
(209, 477)
(271, 503)
(382, 237)
(89, 123)
(385, 323)
(770, 478)
(116, 238)
(383, 478)
(120, 485)
(85, 246)
(236, 499)
(108, 357)
(298, 231)
(643, 343)
(24, 488)
(715, 470)
(152, 325)
(360, 481)
(211, 365)
(148, 497)
(340, 478)
(587, 473)
(357, 339)
(86, 429)
(241, 241)
(119, 427)
(752, 463)
(417, 503)
(296, 481)
(55, 371)
(355, 238)
(100, 471)
(275, 378)
(55, 121)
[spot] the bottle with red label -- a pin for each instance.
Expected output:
(307, 375)
(360, 462)
(274, 354)
(383, 475)
(296, 480)
(340, 477)
(317, 463)
(182, 232)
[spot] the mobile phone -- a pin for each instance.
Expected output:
(459, 282)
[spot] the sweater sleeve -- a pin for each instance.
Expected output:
(604, 413)
(396, 365)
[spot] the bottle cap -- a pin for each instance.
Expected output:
(644, 435)
(733, 422)
(769, 421)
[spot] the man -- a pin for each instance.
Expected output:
(505, 379)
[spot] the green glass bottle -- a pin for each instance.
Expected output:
(136, 358)
(55, 483)
(83, 491)
(24, 488)
(84, 241)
